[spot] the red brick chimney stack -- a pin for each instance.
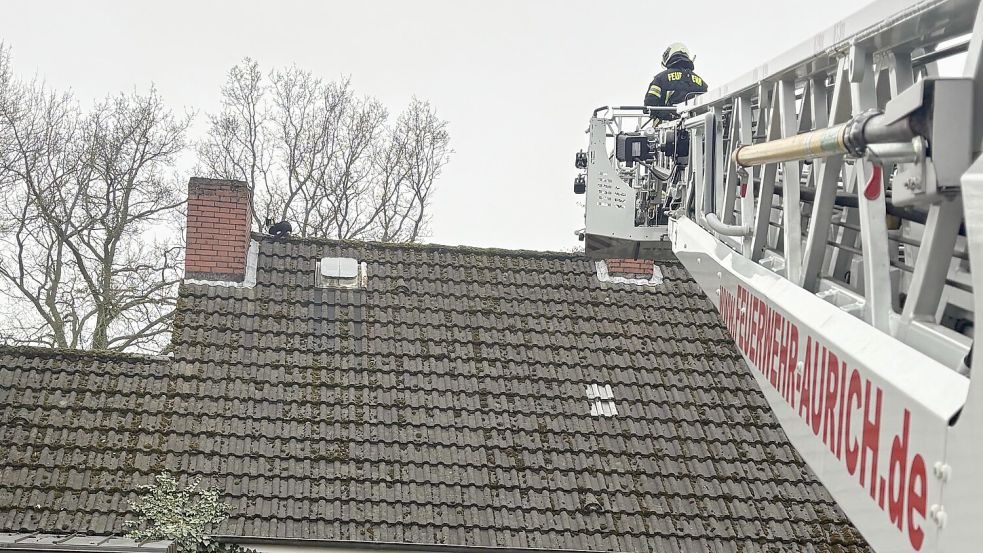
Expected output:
(219, 220)
(631, 268)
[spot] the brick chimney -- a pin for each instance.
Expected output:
(219, 219)
(630, 268)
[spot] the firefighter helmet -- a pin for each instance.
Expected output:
(674, 50)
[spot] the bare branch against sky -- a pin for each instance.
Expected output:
(83, 191)
(322, 114)
(90, 252)
(315, 153)
(516, 79)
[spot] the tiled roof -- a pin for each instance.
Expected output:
(444, 404)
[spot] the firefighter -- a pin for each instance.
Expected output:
(676, 84)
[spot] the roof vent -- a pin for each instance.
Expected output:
(601, 400)
(339, 272)
(591, 503)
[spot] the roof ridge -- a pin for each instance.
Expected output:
(106, 355)
(548, 254)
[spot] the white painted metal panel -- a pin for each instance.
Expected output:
(871, 422)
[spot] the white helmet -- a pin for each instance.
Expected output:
(674, 49)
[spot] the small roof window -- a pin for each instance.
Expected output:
(340, 272)
(339, 267)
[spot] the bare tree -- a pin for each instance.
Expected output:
(86, 243)
(423, 139)
(237, 138)
(329, 161)
(89, 256)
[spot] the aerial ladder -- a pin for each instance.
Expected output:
(830, 205)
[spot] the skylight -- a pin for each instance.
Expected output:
(339, 272)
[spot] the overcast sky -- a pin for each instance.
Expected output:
(516, 79)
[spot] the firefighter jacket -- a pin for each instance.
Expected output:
(674, 86)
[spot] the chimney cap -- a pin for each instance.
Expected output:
(202, 182)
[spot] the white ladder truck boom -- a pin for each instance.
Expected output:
(830, 204)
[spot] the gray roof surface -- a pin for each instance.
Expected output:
(444, 404)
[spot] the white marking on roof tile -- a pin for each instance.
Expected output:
(601, 400)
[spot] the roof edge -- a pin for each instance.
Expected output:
(79, 543)
(107, 355)
(384, 545)
(264, 238)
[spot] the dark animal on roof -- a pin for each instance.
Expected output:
(278, 230)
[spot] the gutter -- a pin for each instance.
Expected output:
(385, 546)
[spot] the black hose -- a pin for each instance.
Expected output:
(850, 200)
